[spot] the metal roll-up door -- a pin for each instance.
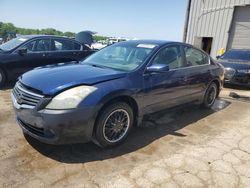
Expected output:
(239, 36)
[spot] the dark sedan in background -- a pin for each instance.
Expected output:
(101, 98)
(237, 66)
(27, 52)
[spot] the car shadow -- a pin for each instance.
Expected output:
(155, 126)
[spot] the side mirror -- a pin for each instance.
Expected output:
(158, 68)
(22, 51)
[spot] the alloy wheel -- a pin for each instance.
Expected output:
(211, 96)
(116, 125)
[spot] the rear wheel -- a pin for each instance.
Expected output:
(114, 124)
(210, 95)
(2, 78)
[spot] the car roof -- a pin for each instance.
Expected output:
(154, 42)
(38, 36)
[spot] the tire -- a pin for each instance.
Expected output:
(2, 78)
(110, 130)
(210, 95)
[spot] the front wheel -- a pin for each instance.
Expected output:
(210, 95)
(114, 124)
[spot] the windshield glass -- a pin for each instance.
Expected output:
(12, 44)
(243, 55)
(121, 56)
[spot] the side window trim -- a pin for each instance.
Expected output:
(181, 46)
(82, 47)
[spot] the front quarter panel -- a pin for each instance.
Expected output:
(106, 91)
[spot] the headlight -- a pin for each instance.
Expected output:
(244, 71)
(70, 98)
(229, 73)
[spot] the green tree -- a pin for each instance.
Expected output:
(9, 27)
(69, 34)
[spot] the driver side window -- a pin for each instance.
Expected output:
(40, 45)
(170, 56)
(30, 46)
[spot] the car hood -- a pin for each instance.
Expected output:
(52, 80)
(238, 65)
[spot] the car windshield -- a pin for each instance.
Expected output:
(12, 44)
(121, 56)
(243, 55)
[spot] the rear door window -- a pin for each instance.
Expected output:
(195, 57)
(77, 46)
(64, 45)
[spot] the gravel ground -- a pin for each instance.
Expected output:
(188, 147)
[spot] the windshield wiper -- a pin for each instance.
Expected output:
(99, 66)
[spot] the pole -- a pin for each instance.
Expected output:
(186, 20)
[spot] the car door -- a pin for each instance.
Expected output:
(165, 89)
(66, 50)
(36, 55)
(197, 72)
(81, 51)
(62, 50)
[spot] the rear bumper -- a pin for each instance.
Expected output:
(57, 126)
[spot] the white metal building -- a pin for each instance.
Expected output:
(216, 24)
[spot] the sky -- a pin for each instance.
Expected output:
(142, 19)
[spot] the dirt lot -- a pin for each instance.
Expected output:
(189, 147)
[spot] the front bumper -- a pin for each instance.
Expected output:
(57, 126)
(242, 79)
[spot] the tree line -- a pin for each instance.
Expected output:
(6, 28)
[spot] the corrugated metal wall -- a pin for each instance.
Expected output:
(239, 37)
(212, 18)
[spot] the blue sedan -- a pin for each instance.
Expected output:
(237, 66)
(103, 97)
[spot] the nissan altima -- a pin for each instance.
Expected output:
(109, 92)
(237, 66)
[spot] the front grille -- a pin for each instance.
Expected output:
(243, 78)
(25, 96)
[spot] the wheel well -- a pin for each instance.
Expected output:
(218, 86)
(129, 100)
(1, 68)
